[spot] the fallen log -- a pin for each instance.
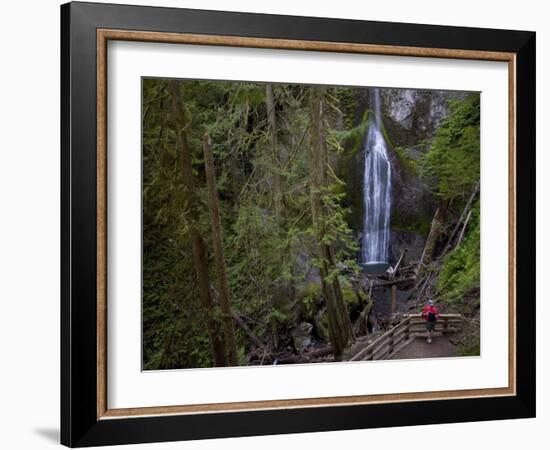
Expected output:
(392, 282)
(463, 229)
(396, 268)
(247, 330)
(432, 239)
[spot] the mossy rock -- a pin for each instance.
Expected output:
(353, 299)
(419, 224)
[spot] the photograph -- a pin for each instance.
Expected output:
(276, 223)
(296, 224)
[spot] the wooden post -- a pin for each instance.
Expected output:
(393, 298)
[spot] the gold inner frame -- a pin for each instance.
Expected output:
(104, 35)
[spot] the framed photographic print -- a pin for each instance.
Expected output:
(277, 224)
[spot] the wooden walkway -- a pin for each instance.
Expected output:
(407, 340)
(440, 347)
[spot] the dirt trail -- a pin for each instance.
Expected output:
(419, 348)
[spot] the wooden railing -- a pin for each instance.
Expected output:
(411, 327)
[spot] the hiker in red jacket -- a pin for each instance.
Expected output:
(430, 314)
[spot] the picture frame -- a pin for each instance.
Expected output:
(86, 418)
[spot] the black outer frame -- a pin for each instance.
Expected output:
(79, 425)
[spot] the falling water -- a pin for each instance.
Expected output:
(376, 193)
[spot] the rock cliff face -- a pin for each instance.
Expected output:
(410, 119)
(412, 115)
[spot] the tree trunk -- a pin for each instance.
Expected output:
(228, 331)
(431, 241)
(466, 210)
(276, 192)
(340, 328)
(199, 250)
(272, 121)
(463, 229)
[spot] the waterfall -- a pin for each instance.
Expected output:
(376, 192)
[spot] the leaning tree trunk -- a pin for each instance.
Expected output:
(465, 213)
(340, 329)
(199, 250)
(432, 239)
(228, 331)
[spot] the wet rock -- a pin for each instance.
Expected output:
(400, 105)
(401, 240)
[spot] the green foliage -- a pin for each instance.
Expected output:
(347, 104)
(471, 347)
(172, 332)
(353, 138)
(241, 355)
(452, 164)
(451, 167)
(353, 298)
(267, 255)
(460, 273)
(409, 163)
(415, 224)
(309, 297)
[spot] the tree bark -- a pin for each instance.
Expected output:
(228, 331)
(340, 328)
(431, 241)
(276, 191)
(272, 121)
(360, 326)
(197, 244)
